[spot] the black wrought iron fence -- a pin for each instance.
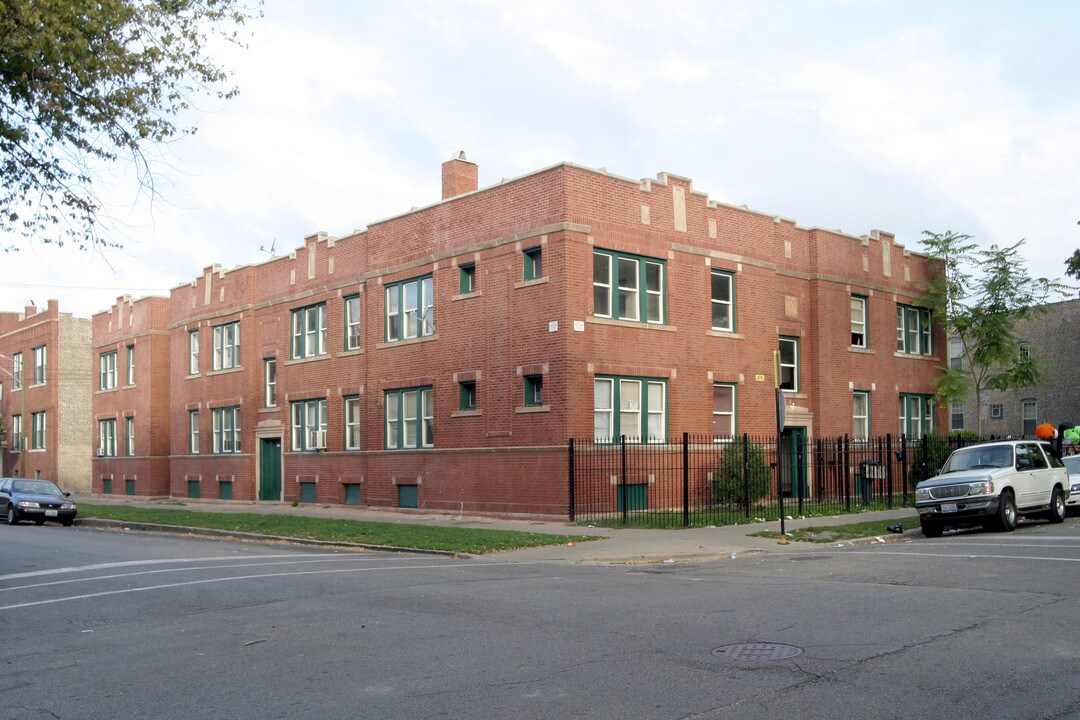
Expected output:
(701, 480)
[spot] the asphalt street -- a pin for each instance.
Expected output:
(126, 624)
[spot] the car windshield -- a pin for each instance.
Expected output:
(973, 458)
(36, 487)
(1073, 463)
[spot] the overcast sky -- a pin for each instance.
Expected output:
(853, 114)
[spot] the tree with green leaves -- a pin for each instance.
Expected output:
(87, 83)
(981, 295)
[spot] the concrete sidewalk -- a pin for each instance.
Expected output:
(614, 546)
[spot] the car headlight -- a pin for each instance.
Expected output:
(1076, 487)
(983, 487)
(29, 504)
(67, 506)
(922, 495)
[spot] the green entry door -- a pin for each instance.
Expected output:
(270, 468)
(793, 461)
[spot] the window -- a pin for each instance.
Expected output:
(39, 365)
(1029, 414)
(193, 432)
(621, 406)
(916, 415)
(309, 331)
(16, 371)
(410, 309)
(37, 439)
(789, 364)
(130, 379)
(628, 287)
(270, 382)
(723, 412)
(308, 425)
(997, 411)
(956, 353)
(352, 322)
(193, 352)
(534, 390)
(467, 278)
(1025, 351)
(17, 432)
(467, 396)
(914, 330)
(860, 415)
(534, 264)
(227, 346)
(723, 301)
(956, 416)
(352, 422)
(107, 370)
(226, 430)
(858, 321)
(410, 420)
(129, 444)
(107, 438)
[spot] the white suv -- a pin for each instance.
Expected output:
(992, 484)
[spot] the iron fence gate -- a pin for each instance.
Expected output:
(701, 480)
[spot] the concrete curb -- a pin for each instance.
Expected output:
(121, 525)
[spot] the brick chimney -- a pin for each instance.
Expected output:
(459, 176)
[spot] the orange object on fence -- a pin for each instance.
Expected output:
(1046, 431)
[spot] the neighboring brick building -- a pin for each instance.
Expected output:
(442, 358)
(1053, 339)
(131, 397)
(45, 396)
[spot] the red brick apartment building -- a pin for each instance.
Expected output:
(131, 397)
(45, 365)
(442, 358)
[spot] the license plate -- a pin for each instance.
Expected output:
(50, 513)
(948, 507)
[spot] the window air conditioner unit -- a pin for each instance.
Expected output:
(317, 440)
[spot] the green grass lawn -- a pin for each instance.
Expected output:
(424, 537)
(839, 533)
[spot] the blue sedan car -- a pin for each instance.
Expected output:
(37, 500)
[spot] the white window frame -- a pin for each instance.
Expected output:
(956, 353)
(956, 409)
(623, 291)
(39, 428)
(351, 311)
(629, 402)
(107, 370)
(269, 382)
(130, 361)
(193, 352)
(107, 438)
(725, 419)
(225, 427)
(129, 432)
(308, 332)
(410, 309)
(727, 280)
(193, 432)
(410, 418)
(860, 415)
(41, 356)
(792, 364)
(859, 307)
(16, 371)
(308, 421)
(227, 346)
(351, 421)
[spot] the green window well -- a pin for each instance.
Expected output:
(408, 496)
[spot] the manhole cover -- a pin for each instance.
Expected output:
(756, 652)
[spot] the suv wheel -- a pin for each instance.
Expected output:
(931, 528)
(1006, 514)
(1057, 511)
(11, 519)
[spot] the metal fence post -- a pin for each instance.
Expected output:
(571, 461)
(686, 479)
(888, 468)
(845, 448)
(622, 480)
(746, 472)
